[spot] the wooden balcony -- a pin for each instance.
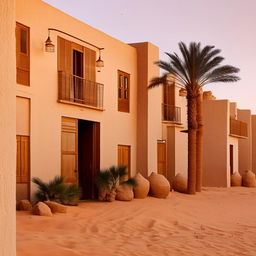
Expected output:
(238, 128)
(79, 91)
(171, 113)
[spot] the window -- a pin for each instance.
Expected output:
(78, 81)
(123, 91)
(22, 54)
(77, 75)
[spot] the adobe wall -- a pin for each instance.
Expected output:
(154, 109)
(233, 141)
(148, 108)
(245, 145)
(7, 129)
(177, 141)
(215, 143)
(177, 157)
(233, 110)
(253, 143)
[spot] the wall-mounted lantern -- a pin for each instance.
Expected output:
(99, 62)
(50, 47)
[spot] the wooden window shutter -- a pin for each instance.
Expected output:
(23, 159)
(64, 55)
(89, 64)
(18, 178)
(169, 94)
(22, 54)
(64, 67)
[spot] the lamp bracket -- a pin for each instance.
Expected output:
(60, 31)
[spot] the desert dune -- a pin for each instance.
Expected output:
(217, 221)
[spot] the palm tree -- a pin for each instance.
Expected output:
(195, 68)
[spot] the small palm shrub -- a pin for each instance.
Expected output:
(108, 180)
(58, 191)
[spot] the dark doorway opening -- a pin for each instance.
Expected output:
(231, 158)
(88, 157)
(78, 75)
(78, 63)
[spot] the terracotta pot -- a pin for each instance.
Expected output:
(142, 188)
(159, 185)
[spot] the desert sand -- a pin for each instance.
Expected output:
(217, 221)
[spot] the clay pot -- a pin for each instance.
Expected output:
(124, 193)
(142, 186)
(180, 183)
(236, 179)
(248, 179)
(102, 193)
(159, 185)
(111, 196)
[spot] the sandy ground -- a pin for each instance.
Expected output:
(217, 221)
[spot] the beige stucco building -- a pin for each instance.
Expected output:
(229, 141)
(71, 119)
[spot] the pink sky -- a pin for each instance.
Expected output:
(228, 24)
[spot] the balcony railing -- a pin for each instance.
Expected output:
(171, 113)
(77, 90)
(238, 128)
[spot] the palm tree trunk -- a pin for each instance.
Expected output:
(192, 128)
(199, 142)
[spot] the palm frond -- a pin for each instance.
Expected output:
(222, 71)
(130, 182)
(56, 190)
(156, 81)
(122, 171)
(40, 184)
(195, 67)
(71, 194)
(103, 179)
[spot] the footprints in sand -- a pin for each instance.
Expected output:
(67, 244)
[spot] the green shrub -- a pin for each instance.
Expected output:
(110, 178)
(58, 191)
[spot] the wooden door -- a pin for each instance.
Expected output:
(161, 158)
(69, 150)
(124, 157)
(22, 167)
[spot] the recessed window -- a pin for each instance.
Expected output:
(22, 54)
(123, 91)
